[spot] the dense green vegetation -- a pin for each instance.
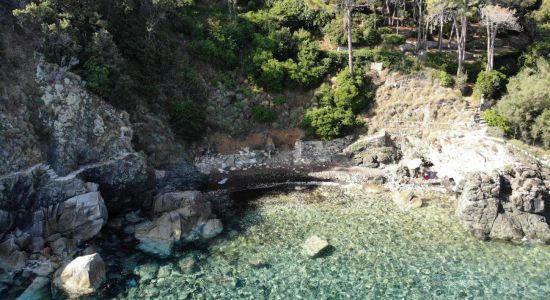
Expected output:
(148, 53)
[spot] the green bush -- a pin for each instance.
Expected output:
(263, 114)
(394, 39)
(296, 15)
(493, 119)
(489, 85)
(352, 93)
(328, 122)
(305, 69)
(539, 49)
(97, 78)
(337, 36)
(528, 98)
(371, 37)
(279, 100)
(385, 30)
(445, 79)
(541, 129)
(442, 61)
(188, 119)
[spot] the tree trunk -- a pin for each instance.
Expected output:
(348, 21)
(491, 37)
(440, 38)
(461, 43)
(419, 35)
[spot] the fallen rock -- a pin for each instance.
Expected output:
(38, 289)
(313, 246)
(184, 224)
(82, 276)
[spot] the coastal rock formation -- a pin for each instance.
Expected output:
(83, 128)
(82, 276)
(52, 205)
(373, 151)
(184, 216)
(507, 206)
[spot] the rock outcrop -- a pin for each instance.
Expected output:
(82, 276)
(181, 217)
(83, 128)
(373, 151)
(40, 204)
(506, 206)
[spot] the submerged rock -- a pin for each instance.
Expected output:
(505, 206)
(313, 246)
(188, 222)
(38, 289)
(82, 276)
(212, 228)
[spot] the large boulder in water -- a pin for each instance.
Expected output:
(507, 206)
(82, 276)
(190, 221)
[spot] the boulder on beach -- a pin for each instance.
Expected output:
(313, 246)
(82, 276)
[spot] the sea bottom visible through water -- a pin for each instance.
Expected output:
(378, 251)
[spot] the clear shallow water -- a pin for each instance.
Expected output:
(378, 252)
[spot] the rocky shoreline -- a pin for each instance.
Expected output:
(91, 177)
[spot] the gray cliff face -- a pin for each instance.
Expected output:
(70, 165)
(509, 206)
(82, 128)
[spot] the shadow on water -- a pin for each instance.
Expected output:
(122, 256)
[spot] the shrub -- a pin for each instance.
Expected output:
(445, 79)
(97, 79)
(541, 129)
(442, 61)
(371, 37)
(352, 93)
(385, 30)
(528, 97)
(279, 100)
(489, 85)
(394, 39)
(336, 35)
(328, 122)
(492, 118)
(539, 49)
(272, 75)
(263, 114)
(188, 119)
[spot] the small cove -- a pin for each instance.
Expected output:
(378, 251)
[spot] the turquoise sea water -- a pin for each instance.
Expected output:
(378, 252)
